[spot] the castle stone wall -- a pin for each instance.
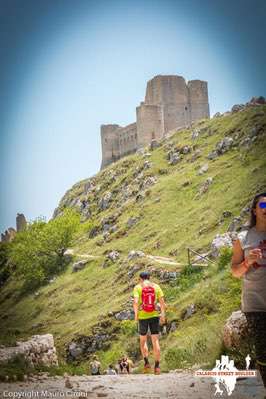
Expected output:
(198, 98)
(150, 123)
(110, 145)
(128, 139)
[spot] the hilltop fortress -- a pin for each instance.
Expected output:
(170, 104)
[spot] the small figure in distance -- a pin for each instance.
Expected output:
(110, 370)
(249, 263)
(146, 296)
(125, 364)
(95, 366)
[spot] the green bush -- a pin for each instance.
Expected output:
(178, 357)
(38, 252)
(4, 265)
(224, 257)
(129, 327)
(207, 302)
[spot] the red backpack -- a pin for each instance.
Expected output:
(148, 298)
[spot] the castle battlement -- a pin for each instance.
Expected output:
(170, 103)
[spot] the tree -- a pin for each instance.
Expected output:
(38, 251)
(4, 267)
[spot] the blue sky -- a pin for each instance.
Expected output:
(69, 66)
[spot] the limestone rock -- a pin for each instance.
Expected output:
(212, 155)
(77, 266)
(135, 254)
(113, 255)
(220, 241)
(237, 108)
(132, 221)
(134, 269)
(235, 225)
(196, 154)
(125, 315)
(203, 169)
(38, 350)
(235, 330)
(195, 134)
(8, 235)
(257, 100)
(174, 159)
(104, 202)
(205, 186)
(188, 312)
(224, 145)
(147, 164)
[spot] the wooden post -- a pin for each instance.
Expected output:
(188, 256)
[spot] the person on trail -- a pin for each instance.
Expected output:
(95, 366)
(125, 365)
(111, 370)
(249, 262)
(146, 297)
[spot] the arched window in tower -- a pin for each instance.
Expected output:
(152, 135)
(105, 140)
(185, 108)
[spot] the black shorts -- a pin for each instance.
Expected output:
(152, 323)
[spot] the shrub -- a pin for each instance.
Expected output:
(208, 302)
(129, 327)
(38, 252)
(178, 357)
(224, 257)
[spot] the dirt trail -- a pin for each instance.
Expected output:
(176, 385)
(163, 260)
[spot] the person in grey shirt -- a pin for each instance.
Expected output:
(249, 263)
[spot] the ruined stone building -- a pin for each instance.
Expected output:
(170, 103)
(10, 233)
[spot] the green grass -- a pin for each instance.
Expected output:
(174, 217)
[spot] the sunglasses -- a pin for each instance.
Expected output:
(262, 205)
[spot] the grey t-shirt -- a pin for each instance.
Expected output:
(253, 297)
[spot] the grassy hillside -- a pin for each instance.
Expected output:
(169, 214)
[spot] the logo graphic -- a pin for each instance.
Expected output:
(225, 374)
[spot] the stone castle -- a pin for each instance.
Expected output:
(170, 104)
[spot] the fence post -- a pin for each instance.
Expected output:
(188, 256)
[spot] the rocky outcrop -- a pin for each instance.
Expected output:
(84, 345)
(21, 222)
(39, 350)
(8, 235)
(220, 241)
(235, 331)
(80, 265)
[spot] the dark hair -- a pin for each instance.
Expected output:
(145, 275)
(253, 219)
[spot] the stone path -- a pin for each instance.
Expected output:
(176, 385)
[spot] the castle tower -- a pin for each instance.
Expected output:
(171, 93)
(150, 123)
(198, 99)
(110, 144)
